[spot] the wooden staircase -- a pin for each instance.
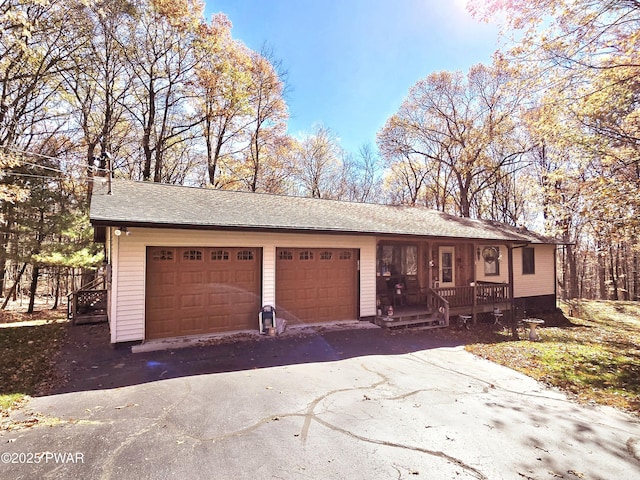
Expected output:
(88, 304)
(411, 319)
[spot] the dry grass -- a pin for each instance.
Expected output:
(596, 358)
(28, 349)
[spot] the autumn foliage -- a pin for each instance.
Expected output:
(547, 135)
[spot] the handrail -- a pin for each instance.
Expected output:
(467, 296)
(443, 303)
(72, 303)
(93, 283)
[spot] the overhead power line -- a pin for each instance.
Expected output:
(25, 152)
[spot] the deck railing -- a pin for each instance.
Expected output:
(88, 300)
(439, 304)
(480, 294)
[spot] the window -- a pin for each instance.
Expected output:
(306, 255)
(245, 255)
(491, 257)
(219, 255)
(345, 255)
(396, 260)
(192, 255)
(285, 255)
(326, 255)
(163, 255)
(528, 261)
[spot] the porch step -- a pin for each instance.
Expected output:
(409, 321)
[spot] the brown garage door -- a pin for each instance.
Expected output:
(192, 291)
(316, 285)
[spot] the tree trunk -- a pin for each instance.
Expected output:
(602, 273)
(5, 238)
(572, 266)
(34, 286)
(56, 295)
(612, 274)
(13, 288)
(635, 296)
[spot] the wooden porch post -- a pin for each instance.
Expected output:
(430, 266)
(475, 284)
(514, 324)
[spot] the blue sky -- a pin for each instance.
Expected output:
(350, 63)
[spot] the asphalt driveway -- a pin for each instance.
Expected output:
(357, 403)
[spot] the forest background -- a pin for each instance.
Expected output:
(545, 136)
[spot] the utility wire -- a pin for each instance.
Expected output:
(59, 177)
(41, 166)
(17, 150)
(25, 152)
(13, 174)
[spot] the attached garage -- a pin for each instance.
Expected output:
(197, 290)
(316, 284)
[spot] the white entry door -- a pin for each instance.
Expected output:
(447, 267)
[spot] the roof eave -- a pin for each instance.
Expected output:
(275, 229)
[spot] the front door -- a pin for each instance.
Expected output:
(447, 266)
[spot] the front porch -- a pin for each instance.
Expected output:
(437, 306)
(428, 283)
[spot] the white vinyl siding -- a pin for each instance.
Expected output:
(542, 282)
(503, 277)
(530, 285)
(129, 269)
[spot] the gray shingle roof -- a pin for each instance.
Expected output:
(159, 205)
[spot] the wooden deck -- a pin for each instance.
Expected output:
(440, 306)
(87, 306)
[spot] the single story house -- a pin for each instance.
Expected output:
(193, 261)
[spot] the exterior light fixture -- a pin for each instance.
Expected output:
(119, 231)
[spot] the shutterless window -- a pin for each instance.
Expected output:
(397, 260)
(192, 255)
(219, 255)
(285, 255)
(528, 261)
(163, 255)
(345, 255)
(306, 255)
(245, 255)
(491, 257)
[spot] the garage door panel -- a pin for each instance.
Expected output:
(163, 302)
(191, 324)
(218, 298)
(196, 290)
(164, 278)
(245, 277)
(221, 277)
(218, 323)
(192, 278)
(316, 285)
(191, 301)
